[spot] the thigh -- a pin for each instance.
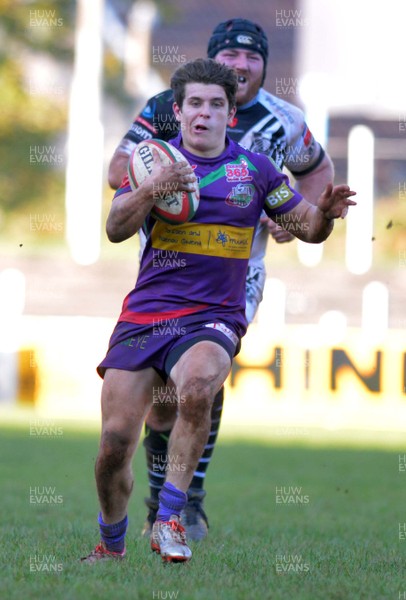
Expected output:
(206, 362)
(126, 398)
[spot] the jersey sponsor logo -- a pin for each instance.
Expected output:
(241, 195)
(238, 171)
(140, 132)
(149, 110)
(221, 172)
(245, 39)
(231, 239)
(143, 123)
(138, 343)
(225, 330)
(279, 196)
(207, 239)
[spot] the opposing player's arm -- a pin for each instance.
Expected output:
(119, 162)
(313, 223)
(305, 158)
(130, 208)
(311, 184)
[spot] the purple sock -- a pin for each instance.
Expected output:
(171, 502)
(113, 535)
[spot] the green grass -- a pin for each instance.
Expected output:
(339, 540)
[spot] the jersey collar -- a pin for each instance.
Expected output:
(251, 102)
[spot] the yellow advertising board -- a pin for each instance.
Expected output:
(303, 379)
(300, 379)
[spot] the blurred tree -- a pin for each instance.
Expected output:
(35, 61)
(36, 56)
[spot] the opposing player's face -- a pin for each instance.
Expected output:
(203, 118)
(249, 67)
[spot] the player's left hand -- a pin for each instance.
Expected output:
(279, 234)
(334, 201)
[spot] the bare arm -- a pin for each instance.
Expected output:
(313, 223)
(310, 186)
(119, 162)
(128, 211)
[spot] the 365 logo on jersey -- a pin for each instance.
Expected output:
(238, 171)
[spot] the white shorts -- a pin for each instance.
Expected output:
(254, 287)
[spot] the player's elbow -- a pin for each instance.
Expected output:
(114, 230)
(119, 230)
(113, 179)
(113, 234)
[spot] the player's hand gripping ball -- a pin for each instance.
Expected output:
(171, 206)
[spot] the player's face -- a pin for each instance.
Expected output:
(203, 117)
(249, 67)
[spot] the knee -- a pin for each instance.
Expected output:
(114, 449)
(196, 399)
(163, 410)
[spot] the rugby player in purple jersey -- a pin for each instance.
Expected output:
(207, 298)
(263, 123)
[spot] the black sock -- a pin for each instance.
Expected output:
(200, 473)
(156, 449)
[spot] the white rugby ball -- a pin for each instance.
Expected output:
(170, 206)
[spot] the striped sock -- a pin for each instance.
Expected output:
(171, 502)
(113, 535)
(156, 449)
(200, 473)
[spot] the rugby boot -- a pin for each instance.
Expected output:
(102, 553)
(169, 540)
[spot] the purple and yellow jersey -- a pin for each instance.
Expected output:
(200, 266)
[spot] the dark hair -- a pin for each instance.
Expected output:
(208, 71)
(239, 33)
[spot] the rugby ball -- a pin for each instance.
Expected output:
(170, 206)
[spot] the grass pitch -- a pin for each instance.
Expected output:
(286, 522)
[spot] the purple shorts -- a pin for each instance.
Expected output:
(135, 347)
